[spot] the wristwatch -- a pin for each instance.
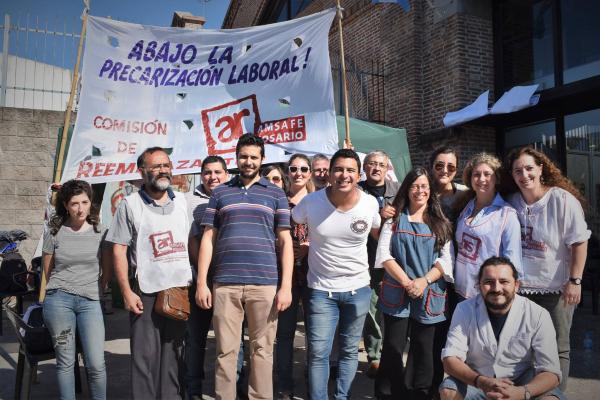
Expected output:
(428, 280)
(527, 395)
(575, 281)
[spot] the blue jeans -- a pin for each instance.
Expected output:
(325, 310)
(65, 314)
(284, 348)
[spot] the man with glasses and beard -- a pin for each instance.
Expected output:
(150, 236)
(376, 166)
(246, 218)
(500, 345)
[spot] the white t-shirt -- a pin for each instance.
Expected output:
(337, 256)
(548, 229)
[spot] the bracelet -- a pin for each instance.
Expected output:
(475, 381)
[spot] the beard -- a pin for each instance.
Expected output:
(158, 184)
(249, 175)
(498, 306)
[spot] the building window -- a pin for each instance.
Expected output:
(580, 33)
(528, 43)
(541, 136)
(582, 131)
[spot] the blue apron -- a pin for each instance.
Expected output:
(413, 247)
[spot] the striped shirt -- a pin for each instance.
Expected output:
(246, 219)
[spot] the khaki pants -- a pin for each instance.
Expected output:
(230, 302)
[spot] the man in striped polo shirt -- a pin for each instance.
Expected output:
(245, 219)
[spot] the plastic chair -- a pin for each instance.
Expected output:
(19, 295)
(28, 361)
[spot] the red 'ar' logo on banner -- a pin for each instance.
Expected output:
(225, 123)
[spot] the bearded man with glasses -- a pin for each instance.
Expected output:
(150, 236)
(376, 166)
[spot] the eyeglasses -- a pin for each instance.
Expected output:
(377, 164)
(293, 169)
(414, 188)
(440, 167)
(274, 179)
(158, 167)
(320, 170)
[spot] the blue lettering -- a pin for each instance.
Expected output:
(185, 52)
(105, 67)
(136, 51)
(150, 52)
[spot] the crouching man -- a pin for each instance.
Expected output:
(500, 345)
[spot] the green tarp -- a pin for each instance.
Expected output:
(368, 136)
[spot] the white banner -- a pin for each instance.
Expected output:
(196, 92)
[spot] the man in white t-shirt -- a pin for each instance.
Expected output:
(340, 219)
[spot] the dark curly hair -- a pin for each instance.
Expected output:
(434, 216)
(551, 174)
(69, 189)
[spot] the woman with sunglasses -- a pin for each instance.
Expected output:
(300, 184)
(488, 226)
(274, 174)
(414, 248)
(77, 264)
(555, 240)
(444, 164)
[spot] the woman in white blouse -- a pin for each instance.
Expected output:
(488, 226)
(554, 240)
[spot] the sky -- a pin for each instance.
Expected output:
(64, 15)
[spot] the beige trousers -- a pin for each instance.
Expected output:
(230, 302)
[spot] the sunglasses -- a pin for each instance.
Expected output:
(440, 167)
(293, 169)
(274, 178)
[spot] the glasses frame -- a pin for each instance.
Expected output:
(440, 165)
(292, 169)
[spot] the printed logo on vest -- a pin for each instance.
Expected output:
(469, 246)
(163, 244)
(527, 241)
(359, 225)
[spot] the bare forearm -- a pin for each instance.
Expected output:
(458, 369)
(434, 273)
(205, 254)
(396, 271)
(578, 257)
(47, 264)
(542, 383)
(121, 267)
(287, 259)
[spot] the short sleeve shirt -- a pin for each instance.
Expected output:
(247, 219)
(76, 261)
(123, 229)
(337, 255)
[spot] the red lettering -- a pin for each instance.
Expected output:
(182, 164)
(110, 167)
(84, 169)
(98, 169)
(196, 164)
(123, 168)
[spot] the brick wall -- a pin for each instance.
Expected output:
(27, 146)
(435, 61)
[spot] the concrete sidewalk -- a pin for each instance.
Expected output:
(584, 382)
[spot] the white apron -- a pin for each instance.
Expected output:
(162, 254)
(475, 244)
